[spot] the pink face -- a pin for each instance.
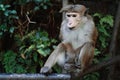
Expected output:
(73, 19)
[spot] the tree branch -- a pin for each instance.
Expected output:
(99, 66)
(29, 21)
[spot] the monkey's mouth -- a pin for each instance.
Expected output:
(71, 25)
(71, 28)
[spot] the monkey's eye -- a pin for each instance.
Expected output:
(74, 15)
(68, 15)
(71, 15)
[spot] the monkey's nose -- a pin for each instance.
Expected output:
(70, 23)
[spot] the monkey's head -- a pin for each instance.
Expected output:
(73, 14)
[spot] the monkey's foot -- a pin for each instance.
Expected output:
(69, 67)
(45, 69)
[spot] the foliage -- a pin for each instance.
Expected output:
(92, 76)
(40, 4)
(9, 14)
(104, 26)
(32, 48)
(11, 64)
(36, 40)
(6, 19)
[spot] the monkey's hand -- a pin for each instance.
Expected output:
(69, 67)
(45, 69)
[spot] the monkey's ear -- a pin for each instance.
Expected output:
(66, 8)
(86, 12)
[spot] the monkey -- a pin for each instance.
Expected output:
(78, 36)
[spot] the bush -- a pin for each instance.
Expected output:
(33, 48)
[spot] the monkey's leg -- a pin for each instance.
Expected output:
(69, 57)
(86, 55)
(70, 53)
(56, 56)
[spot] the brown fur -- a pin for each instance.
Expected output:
(77, 44)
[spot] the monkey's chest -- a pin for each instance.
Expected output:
(76, 38)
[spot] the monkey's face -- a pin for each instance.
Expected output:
(73, 19)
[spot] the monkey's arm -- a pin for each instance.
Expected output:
(53, 58)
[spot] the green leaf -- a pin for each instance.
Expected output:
(1, 33)
(2, 7)
(47, 51)
(41, 63)
(97, 52)
(35, 57)
(97, 15)
(22, 1)
(44, 38)
(30, 48)
(7, 6)
(13, 12)
(38, 1)
(12, 29)
(40, 51)
(57, 68)
(14, 16)
(54, 41)
(95, 60)
(102, 39)
(40, 46)
(42, 4)
(6, 13)
(103, 30)
(9, 61)
(3, 27)
(97, 74)
(107, 19)
(36, 8)
(45, 7)
(94, 77)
